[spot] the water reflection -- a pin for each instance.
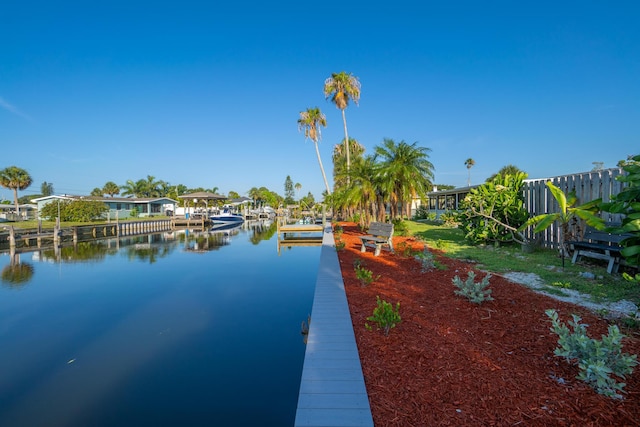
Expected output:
(17, 273)
(148, 247)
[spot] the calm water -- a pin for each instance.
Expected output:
(164, 330)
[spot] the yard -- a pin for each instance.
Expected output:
(452, 362)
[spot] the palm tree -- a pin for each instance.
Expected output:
(111, 188)
(364, 194)
(310, 121)
(469, 163)
(356, 151)
(405, 173)
(131, 189)
(505, 170)
(298, 187)
(342, 87)
(15, 178)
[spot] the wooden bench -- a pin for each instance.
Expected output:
(599, 245)
(380, 234)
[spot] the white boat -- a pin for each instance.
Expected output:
(226, 217)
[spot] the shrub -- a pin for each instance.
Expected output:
(400, 228)
(385, 316)
(426, 260)
(597, 359)
(474, 292)
(365, 276)
(75, 210)
(340, 245)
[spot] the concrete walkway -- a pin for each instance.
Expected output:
(332, 390)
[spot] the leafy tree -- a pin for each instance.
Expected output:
(75, 210)
(288, 191)
(505, 170)
(469, 163)
(494, 211)
(310, 121)
(15, 178)
(233, 195)
(342, 87)
(627, 202)
(110, 188)
(46, 188)
(97, 192)
(405, 173)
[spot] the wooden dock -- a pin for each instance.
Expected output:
(289, 235)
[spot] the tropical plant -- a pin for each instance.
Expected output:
(97, 192)
(15, 178)
(342, 87)
(74, 210)
(506, 170)
(567, 216)
(311, 121)
(597, 359)
(110, 188)
(627, 203)
(494, 211)
(385, 316)
(476, 292)
(340, 172)
(404, 173)
(469, 163)
(364, 192)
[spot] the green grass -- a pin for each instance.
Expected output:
(544, 262)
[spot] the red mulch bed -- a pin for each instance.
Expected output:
(452, 362)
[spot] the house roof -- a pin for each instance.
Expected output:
(203, 195)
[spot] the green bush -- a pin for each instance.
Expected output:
(400, 228)
(597, 359)
(74, 210)
(474, 292)
(364, 276)
(385, 316)
(426, 260)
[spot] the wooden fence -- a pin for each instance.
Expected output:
(587, 186)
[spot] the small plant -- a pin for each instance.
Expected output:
(365, 276)
(565, 285)
(340, 245)
(426, 260)
(475, 292)
(385, 316)
(338, 230)
(597, 359)
(441, 244)
(406, 250)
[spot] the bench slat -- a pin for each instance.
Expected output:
(380, 234)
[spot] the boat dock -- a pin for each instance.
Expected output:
(332, 389)
(289, 235)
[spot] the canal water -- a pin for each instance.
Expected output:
(172, 329)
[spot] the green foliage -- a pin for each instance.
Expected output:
(338, 230)
(133, 213)
(363, 275)
(474, 292)
(627, 202)
(399, 227)
(422, 212)
(385, 316)
(597, 359)
(495, 210)
(566, 215)
(560, 284)
(426, 260)
(449, 219)
(340, 245)
(75, 210)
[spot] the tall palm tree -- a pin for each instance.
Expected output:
(342, 87)
(298, 187)
(469, 164)
(15, 178)
(310, 121)
(405, 172)
(364, 192)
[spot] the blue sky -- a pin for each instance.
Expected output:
(208, 94)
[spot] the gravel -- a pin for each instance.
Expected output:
(615, 309)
